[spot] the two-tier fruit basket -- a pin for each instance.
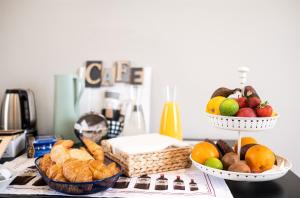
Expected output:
(249, 125)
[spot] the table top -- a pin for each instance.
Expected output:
(286, 186)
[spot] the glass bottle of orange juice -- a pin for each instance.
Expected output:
(170, 123)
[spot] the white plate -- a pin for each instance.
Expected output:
(242, 123)
(275, 173)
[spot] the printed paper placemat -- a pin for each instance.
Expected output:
(185, 182)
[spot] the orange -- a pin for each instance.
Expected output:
(204, 150)
(245, 141)
(259, 158)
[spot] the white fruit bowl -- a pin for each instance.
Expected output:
(242, 123)
(276, 172)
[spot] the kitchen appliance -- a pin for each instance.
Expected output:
(12, 145)
(18, 110)
(68, 91)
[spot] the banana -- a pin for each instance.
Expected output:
(225, 92)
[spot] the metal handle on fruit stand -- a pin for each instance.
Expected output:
(243, 75)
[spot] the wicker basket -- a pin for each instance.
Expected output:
(151, 162)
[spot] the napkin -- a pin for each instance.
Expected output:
(143, 143)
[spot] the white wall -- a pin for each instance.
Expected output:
(196, 44)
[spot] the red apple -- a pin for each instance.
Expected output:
(246, 112)
(253, 102)
(242, 102)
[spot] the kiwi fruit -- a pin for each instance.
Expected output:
(244, 150)
(229, 158)
(239, 166)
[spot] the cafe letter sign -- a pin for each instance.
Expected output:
(96, 75)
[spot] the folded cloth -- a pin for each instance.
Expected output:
(143, 143)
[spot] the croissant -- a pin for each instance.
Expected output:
(83, 148)
(76, 165)
(95, 164)
(64, 143)
(109, 170)
(77, 171)
(55, 172)
(45, 162)
(80, 154)
(94, 149)
(62, 151)
(100, 171)
(59, 154)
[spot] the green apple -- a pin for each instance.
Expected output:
(214, 162)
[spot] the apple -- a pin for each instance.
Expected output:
(246, 112)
